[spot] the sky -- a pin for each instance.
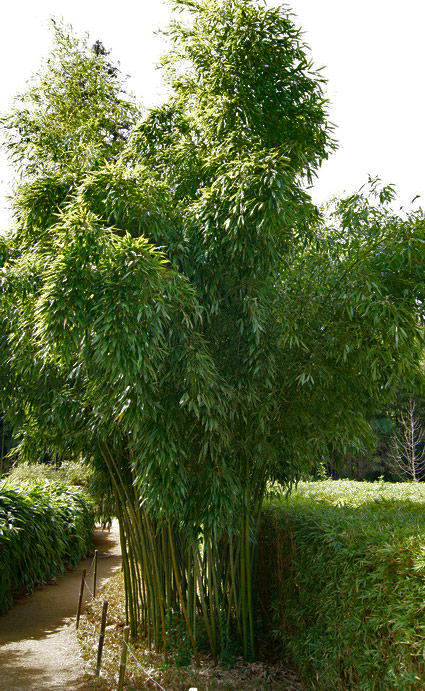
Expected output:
(372, 51)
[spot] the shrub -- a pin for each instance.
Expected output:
(45, 528)
(343, 576)
(71, 473)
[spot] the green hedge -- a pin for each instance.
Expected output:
(71, 473)
(45, 528)
(342, 583)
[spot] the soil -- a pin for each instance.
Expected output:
(38, 643)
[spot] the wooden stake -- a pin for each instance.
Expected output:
(80, 599)
(123, 660)
(101, 637)
(94, 573)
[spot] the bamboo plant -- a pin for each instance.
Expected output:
(176, 310)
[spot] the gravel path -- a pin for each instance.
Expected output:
(38, 646)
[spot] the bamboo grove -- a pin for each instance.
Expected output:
(176, 311)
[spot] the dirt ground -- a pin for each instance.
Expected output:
(38, 645)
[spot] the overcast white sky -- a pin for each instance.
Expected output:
(373, 52)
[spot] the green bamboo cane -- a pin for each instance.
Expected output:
(249, 584)
(158, 603)
(130, 526)
(204, 607)
(189, 629)
(124, 568)
(160, 596)
(243, 592)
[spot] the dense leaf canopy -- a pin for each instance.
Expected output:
(175, 285)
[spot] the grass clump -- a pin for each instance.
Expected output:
(45, 528)
(343, 577)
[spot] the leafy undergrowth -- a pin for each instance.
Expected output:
(172, 677)
(342, 583)
(351, 493)
(45, 528)
(70, 473)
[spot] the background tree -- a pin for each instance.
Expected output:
(408, 445)
(176, 310)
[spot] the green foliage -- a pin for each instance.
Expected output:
(176, 310)
(72, 473)
(68, 472)
(74, 113)
(341, 571)
(45, 528)
(350, 327)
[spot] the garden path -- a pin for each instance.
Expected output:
(38, 644)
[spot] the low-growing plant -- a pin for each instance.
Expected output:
(72, 473)
(342, 579)
(45, 528)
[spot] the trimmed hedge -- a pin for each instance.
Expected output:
(45, 528)
(342, 583)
